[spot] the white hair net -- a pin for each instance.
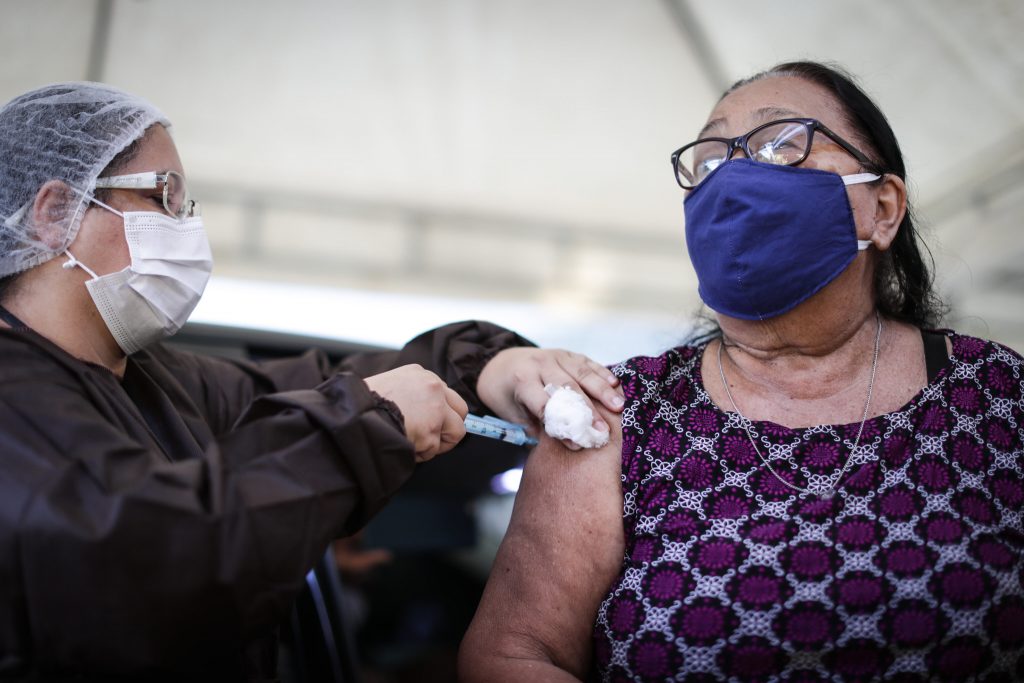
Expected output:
(68, 132)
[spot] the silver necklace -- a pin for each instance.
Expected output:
(830, 489)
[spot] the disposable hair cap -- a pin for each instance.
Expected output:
(68, 132)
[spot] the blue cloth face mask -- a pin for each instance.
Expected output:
(764, 238)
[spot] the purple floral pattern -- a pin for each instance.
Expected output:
(705, 621)
(807, 625)
(698, 471)
(860, 592)
(913, 571)
(913, 623)
(759, 589)
(728, 503)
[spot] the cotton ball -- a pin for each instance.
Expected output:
(567, 416)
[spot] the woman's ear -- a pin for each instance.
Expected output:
(890, 208)
(50, 211)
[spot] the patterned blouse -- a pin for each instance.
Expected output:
(912, 571)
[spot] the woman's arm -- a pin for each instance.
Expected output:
(563, 549)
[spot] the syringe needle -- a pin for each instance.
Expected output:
(493, 428)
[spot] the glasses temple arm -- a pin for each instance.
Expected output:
(134, 181)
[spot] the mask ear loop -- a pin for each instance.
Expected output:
(72, 262)
(106, 206)
(856, 179)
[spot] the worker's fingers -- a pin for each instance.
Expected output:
(513, 384)
(456, 403)
(428, 445)
(587, 377)
(453, 427)
(529, 393)
(433, 412)
(595, 381)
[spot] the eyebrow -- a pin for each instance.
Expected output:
(764, 113)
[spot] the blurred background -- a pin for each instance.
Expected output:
(369, 169)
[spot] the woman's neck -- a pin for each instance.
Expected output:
(814, 371)
(55, 304)
(799, 357)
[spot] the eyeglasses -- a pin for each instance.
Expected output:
(171, 184)
(785, 142)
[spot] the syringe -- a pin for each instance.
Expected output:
(493, 428)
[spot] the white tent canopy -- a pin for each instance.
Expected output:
(518, 151)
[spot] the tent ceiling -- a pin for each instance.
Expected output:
(519, 149)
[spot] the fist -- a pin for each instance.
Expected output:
(433, 413)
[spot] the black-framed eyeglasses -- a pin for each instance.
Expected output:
(785, 142)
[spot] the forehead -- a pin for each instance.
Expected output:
(772, 98)
(157, 152)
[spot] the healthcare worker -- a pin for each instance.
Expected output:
(159, 509)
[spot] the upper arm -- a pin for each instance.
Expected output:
(563, 548)
(224, 388)
(456, 352)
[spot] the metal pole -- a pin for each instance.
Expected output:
(697, 40)
(100, 40)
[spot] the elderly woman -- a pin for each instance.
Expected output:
(160, 509)
(827, 489)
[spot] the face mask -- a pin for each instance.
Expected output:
(764, 238)
(153, 297)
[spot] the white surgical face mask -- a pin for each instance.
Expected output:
(153, 297)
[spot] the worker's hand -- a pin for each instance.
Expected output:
(433, 413)
(512, 383)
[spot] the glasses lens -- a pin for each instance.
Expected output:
(176, 199)
(782, 143)
(698, 160)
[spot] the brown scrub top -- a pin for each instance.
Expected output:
(162, 524)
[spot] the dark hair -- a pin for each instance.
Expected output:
(7, 283)
(903, 277)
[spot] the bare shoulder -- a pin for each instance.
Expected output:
(563, 548)
(569, 506)
(572, 480)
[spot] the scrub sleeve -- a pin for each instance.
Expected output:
(164, 523)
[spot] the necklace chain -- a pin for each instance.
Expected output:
(830, 489)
